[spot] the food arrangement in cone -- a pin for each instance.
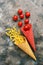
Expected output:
(29, 35)
(19, 40)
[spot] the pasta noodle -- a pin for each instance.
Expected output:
(15, 35)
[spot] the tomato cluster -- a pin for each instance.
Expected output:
(21, 16)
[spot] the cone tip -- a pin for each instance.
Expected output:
(35, 59)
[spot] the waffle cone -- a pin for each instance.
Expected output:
(30, 37)
(26, 48)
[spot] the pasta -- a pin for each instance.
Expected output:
(15, 35)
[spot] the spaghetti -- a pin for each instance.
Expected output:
(15, 35)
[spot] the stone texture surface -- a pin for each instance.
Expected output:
(9, 53)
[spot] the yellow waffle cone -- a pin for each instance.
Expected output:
(20, 41)
(26, 48)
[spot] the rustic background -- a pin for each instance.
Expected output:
(9, 53)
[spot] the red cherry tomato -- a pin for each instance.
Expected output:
(27, 14)
(26, 21)
(22, 16)
(27, 27)
(20, 24)
(15, 17)
(20, 11)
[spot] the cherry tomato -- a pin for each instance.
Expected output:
(20, 23)
(27, 27)
(27, 14)
(20, 11)
(22, 16)
(26, 21)
(15, 17)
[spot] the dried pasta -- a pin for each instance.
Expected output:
(15, 35)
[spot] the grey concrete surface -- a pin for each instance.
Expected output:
(9, 53)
